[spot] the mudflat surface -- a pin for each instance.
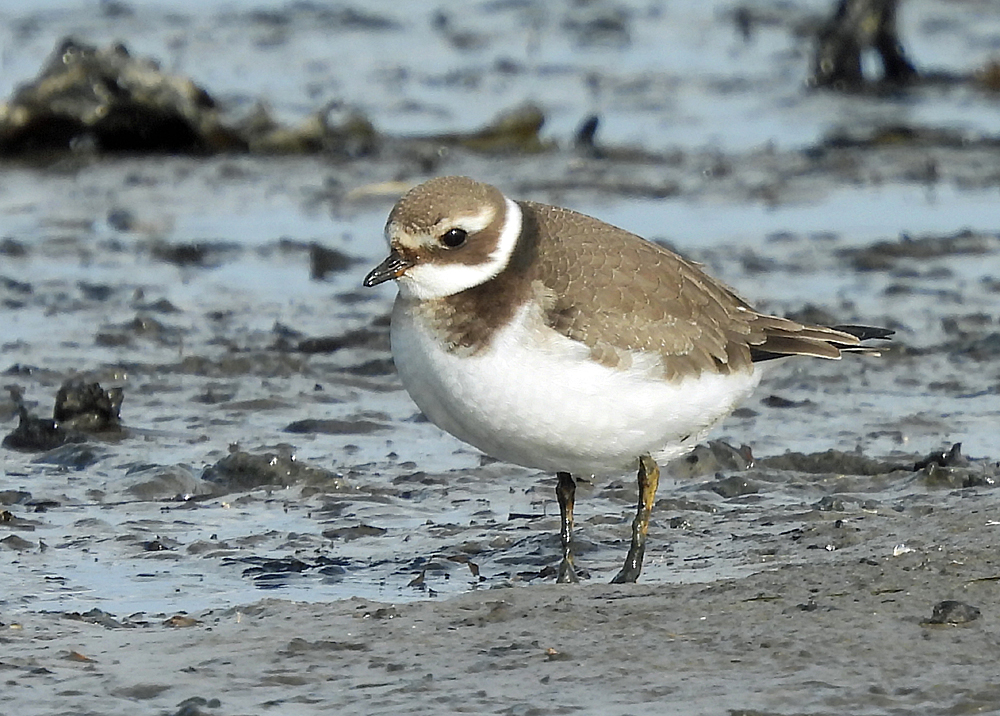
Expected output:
(275, 528)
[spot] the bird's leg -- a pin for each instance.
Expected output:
(566, 494)
(649, 478)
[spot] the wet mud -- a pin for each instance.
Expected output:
(208, 458)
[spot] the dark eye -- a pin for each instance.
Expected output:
(453, 238)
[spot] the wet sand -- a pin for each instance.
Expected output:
(847, 631)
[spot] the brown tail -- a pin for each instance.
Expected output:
(783, 337)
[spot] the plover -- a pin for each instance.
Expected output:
(550, 339)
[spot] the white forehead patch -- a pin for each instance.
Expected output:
(434, 280)
(475, 222)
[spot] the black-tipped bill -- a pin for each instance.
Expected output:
(393, 267)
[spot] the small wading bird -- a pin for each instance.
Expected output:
(552, 340)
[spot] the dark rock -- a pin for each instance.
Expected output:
(80, 408)
(733, 486)
(37, 434)
(952, 612)
(89, 408)
(106, 99)
(243, 471)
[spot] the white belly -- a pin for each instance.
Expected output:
(535, 399)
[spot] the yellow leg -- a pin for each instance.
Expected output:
(566, 494)
(649, 479)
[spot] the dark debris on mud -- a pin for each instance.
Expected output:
(81, 409)
(90, 99)
(837, 483)
(889, 255)
(240, 471)
(105, 100)
(717, 480)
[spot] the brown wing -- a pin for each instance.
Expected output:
(661, 302)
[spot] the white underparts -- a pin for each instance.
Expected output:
(535, 398)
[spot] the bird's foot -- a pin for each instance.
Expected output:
(629, 572)
(567, 572)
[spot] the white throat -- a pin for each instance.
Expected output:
(434, 280)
